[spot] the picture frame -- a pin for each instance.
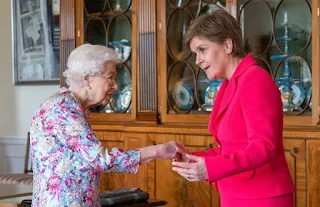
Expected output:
(36, 42)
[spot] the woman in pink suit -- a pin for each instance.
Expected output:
(248, 166)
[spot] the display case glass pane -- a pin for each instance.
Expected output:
(95, 31)
(109, 23)
(278, 34)
(94, 6)
(188, 89)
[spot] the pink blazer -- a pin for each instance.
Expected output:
(247, 122)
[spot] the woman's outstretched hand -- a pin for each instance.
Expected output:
(160, 151)
(169, 150)
(195, 170)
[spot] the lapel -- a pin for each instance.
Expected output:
(216, 107)
(227, 91)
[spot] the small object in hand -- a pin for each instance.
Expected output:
(178, 156)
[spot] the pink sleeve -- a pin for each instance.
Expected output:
(210, 152)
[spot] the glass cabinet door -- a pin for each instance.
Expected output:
(188, 89)
(278, 34)
(108, 22)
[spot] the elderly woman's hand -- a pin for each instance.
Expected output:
(169, 150)
(196, 170)
(165, 151)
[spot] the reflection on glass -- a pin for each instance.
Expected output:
(217, 2)
(119, 37)
(257, 32)
(178, 23)
(293, 31)
(207, 9)
(94, 6)
(309, 97)
(179, 3)
(95, 32)
(120, 5)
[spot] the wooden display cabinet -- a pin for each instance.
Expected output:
(160, 71)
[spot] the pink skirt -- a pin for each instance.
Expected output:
(279, 201)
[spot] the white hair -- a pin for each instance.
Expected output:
(87, 59)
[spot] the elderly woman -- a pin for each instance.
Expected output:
(248, 166)
(67, 156)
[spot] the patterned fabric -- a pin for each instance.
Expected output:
(67, 157)
(22, 179)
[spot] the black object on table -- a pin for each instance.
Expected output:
(26, 203)
(128, 197)
(122, 196)
(149, 203)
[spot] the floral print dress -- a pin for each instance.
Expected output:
(67, 157)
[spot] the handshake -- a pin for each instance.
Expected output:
(191, 167)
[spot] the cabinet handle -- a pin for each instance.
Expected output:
(295, 149)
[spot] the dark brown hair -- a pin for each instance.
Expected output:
(216, 27)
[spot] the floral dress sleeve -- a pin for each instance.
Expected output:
(72, 128)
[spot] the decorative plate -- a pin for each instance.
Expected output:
(182, 95)
(121, 100)
(124, 98)
(298, 94)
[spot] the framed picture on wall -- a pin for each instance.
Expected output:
(36, 41)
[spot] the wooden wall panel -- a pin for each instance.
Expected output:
(295, 155)
(313, 172)
(111, 181)
(136, 141)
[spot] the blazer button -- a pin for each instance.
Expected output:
(218, 146)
